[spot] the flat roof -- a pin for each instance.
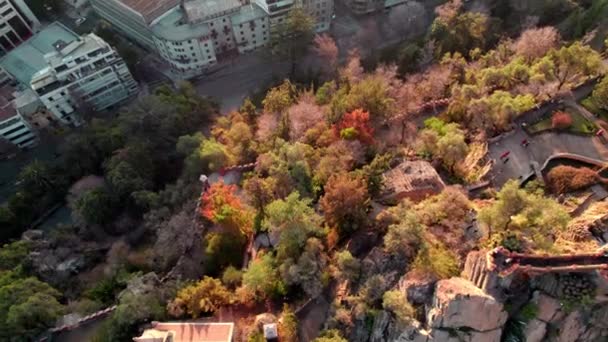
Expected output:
(173, 27)
(201, 10)
(190, 332)
(151, 9)
(28, 58)
(247, 13)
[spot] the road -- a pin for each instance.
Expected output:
(250, 73)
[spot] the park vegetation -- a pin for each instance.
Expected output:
(284, 231)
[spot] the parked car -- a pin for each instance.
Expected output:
(79, 21)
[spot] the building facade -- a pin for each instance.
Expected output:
(87, 74)
(361, 7)
(17, 24)
(14, 128)
(70, 74)
(194, 35)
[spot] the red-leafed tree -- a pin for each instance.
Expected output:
(220, 205)
(561, 120)
(355, 126)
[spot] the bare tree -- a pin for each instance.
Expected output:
(325, 47)
(536, 42)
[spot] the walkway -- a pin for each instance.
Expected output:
(541, 147)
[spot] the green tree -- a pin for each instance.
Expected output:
(291, 38)
(348, 267)
(203, 297)
(396, 302)
(436, 260)
(232, 277)
(569, 65)
(332, 335)
(214, 155)
(96, 206)
(295, 220)
(443, 141)
(279, 98)
(35, 178)
(224, 249)
(288, 326)
(405, 238)
(13, 254)
(261, 277)
(370, 94)
(529, 213)
(454, 31)
(27, 308)
(600, 94)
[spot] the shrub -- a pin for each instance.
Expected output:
(232, 277)
(206, 296)
(566, 178)
(561, 120)
(396, 302)
(436, 260)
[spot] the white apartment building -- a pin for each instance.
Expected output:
(369, 6)
(86, 72)
(70, 73)
(17, 24)
(192, 36)
(13, 127)
(321, 10)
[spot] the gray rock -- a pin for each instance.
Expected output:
(535, 331)
(419, 290)
(32, 235)
(458, 303)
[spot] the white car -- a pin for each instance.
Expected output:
(79, 21)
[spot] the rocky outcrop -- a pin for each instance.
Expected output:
(458, 304)
(57, 260)
(418, 289)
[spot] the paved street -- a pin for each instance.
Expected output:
(239, 79)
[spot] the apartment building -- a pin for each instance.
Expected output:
(194, 35)
(14, 128)
(17, 24)
(70, 74)
(369, 6)
(321, 10)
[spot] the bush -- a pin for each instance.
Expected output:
(564, 178)
(561, 120)
(396, 302)
(436, 260)
(232, 277)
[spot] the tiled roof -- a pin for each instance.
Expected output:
(188, 332)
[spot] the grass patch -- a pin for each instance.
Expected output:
(580, 125)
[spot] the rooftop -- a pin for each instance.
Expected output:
(201, 10)
(247, 13)
(187, 332)
(173, 27)
(412, 175)
(28, 58)
(151, 9)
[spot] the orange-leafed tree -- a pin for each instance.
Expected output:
(220, 205)
(561, 120)
(345, 203)
(355, 126)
